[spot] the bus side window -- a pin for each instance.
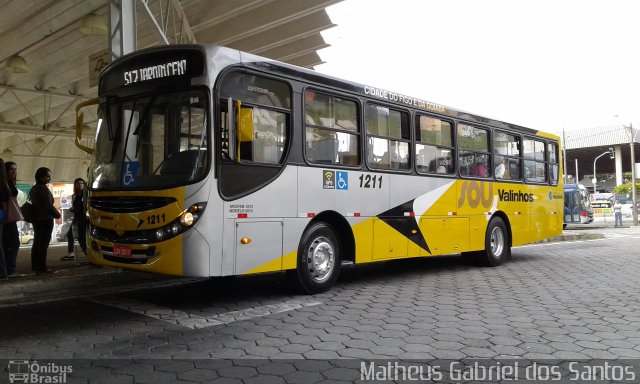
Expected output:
(473, 143)
(331, 133)
(390, 149)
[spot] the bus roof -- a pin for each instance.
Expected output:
(260, 63)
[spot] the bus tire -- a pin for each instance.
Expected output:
(319, 259)
(496, 243)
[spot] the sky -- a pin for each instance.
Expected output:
(546, 65)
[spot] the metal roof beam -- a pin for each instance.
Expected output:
(260, 19)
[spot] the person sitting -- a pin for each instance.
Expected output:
(500, 170)
(481, 170)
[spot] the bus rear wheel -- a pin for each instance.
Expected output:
(319, 260)
(496, 243)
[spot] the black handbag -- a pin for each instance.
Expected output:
(27, 211)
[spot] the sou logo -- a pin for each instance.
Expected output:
(475, 193)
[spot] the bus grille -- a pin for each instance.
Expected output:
(129, 237)
(129, 204)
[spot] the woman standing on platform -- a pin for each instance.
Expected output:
(79, 221)
(10, 237)
(44, 212)
(4, 204)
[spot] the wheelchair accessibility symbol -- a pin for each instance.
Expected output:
(129, 174)
(342, 180)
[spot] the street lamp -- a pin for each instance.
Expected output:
(610, 153)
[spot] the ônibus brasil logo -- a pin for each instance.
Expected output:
(25, 371)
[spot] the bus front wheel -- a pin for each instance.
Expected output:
(319, 259)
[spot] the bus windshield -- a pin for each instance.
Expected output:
(151, 141)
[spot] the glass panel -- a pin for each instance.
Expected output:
(148, 138)
(348, 149)
(255, 89)
(378, 153)
(539, 150)
(322, 146)
(399, 157)
(554, 174)
(434, 131)
(474, 164)
(553, 153)
(507, 168)
(388, 154)
(395, 125)
(535, 171)
(377, 120)
(268, 141)
(505, 144)
(382, 121)
(346, 115)
(473, 138)
(431, 159)
(329, 111)
(534, 149)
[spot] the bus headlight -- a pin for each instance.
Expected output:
(175, 229)
(186, 219)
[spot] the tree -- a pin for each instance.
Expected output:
(625, 189)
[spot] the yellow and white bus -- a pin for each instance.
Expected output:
(209, 161)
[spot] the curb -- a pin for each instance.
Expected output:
(79, 282)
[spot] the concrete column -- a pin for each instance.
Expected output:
(618, 151)
(122, 27)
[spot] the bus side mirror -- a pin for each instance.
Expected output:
(612, 153)
(80, 123)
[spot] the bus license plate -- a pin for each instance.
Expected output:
(121, 251)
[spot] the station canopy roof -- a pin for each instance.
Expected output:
(45, 60)
(585, 145)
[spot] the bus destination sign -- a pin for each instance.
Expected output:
(400, 98)
(173, 68)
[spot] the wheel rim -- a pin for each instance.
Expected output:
(320, 259)
(497, 241)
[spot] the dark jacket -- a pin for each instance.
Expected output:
(42, 201)
(77, 206)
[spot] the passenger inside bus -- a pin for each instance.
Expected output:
(481, 170)
(500, 170)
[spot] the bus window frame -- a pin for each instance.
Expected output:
(520, 157)
(288, 112)
(216, 131)
(489, 151)
(453, 148)
(359, 132)
(557, 163)
(366, 136)
(545, 161)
